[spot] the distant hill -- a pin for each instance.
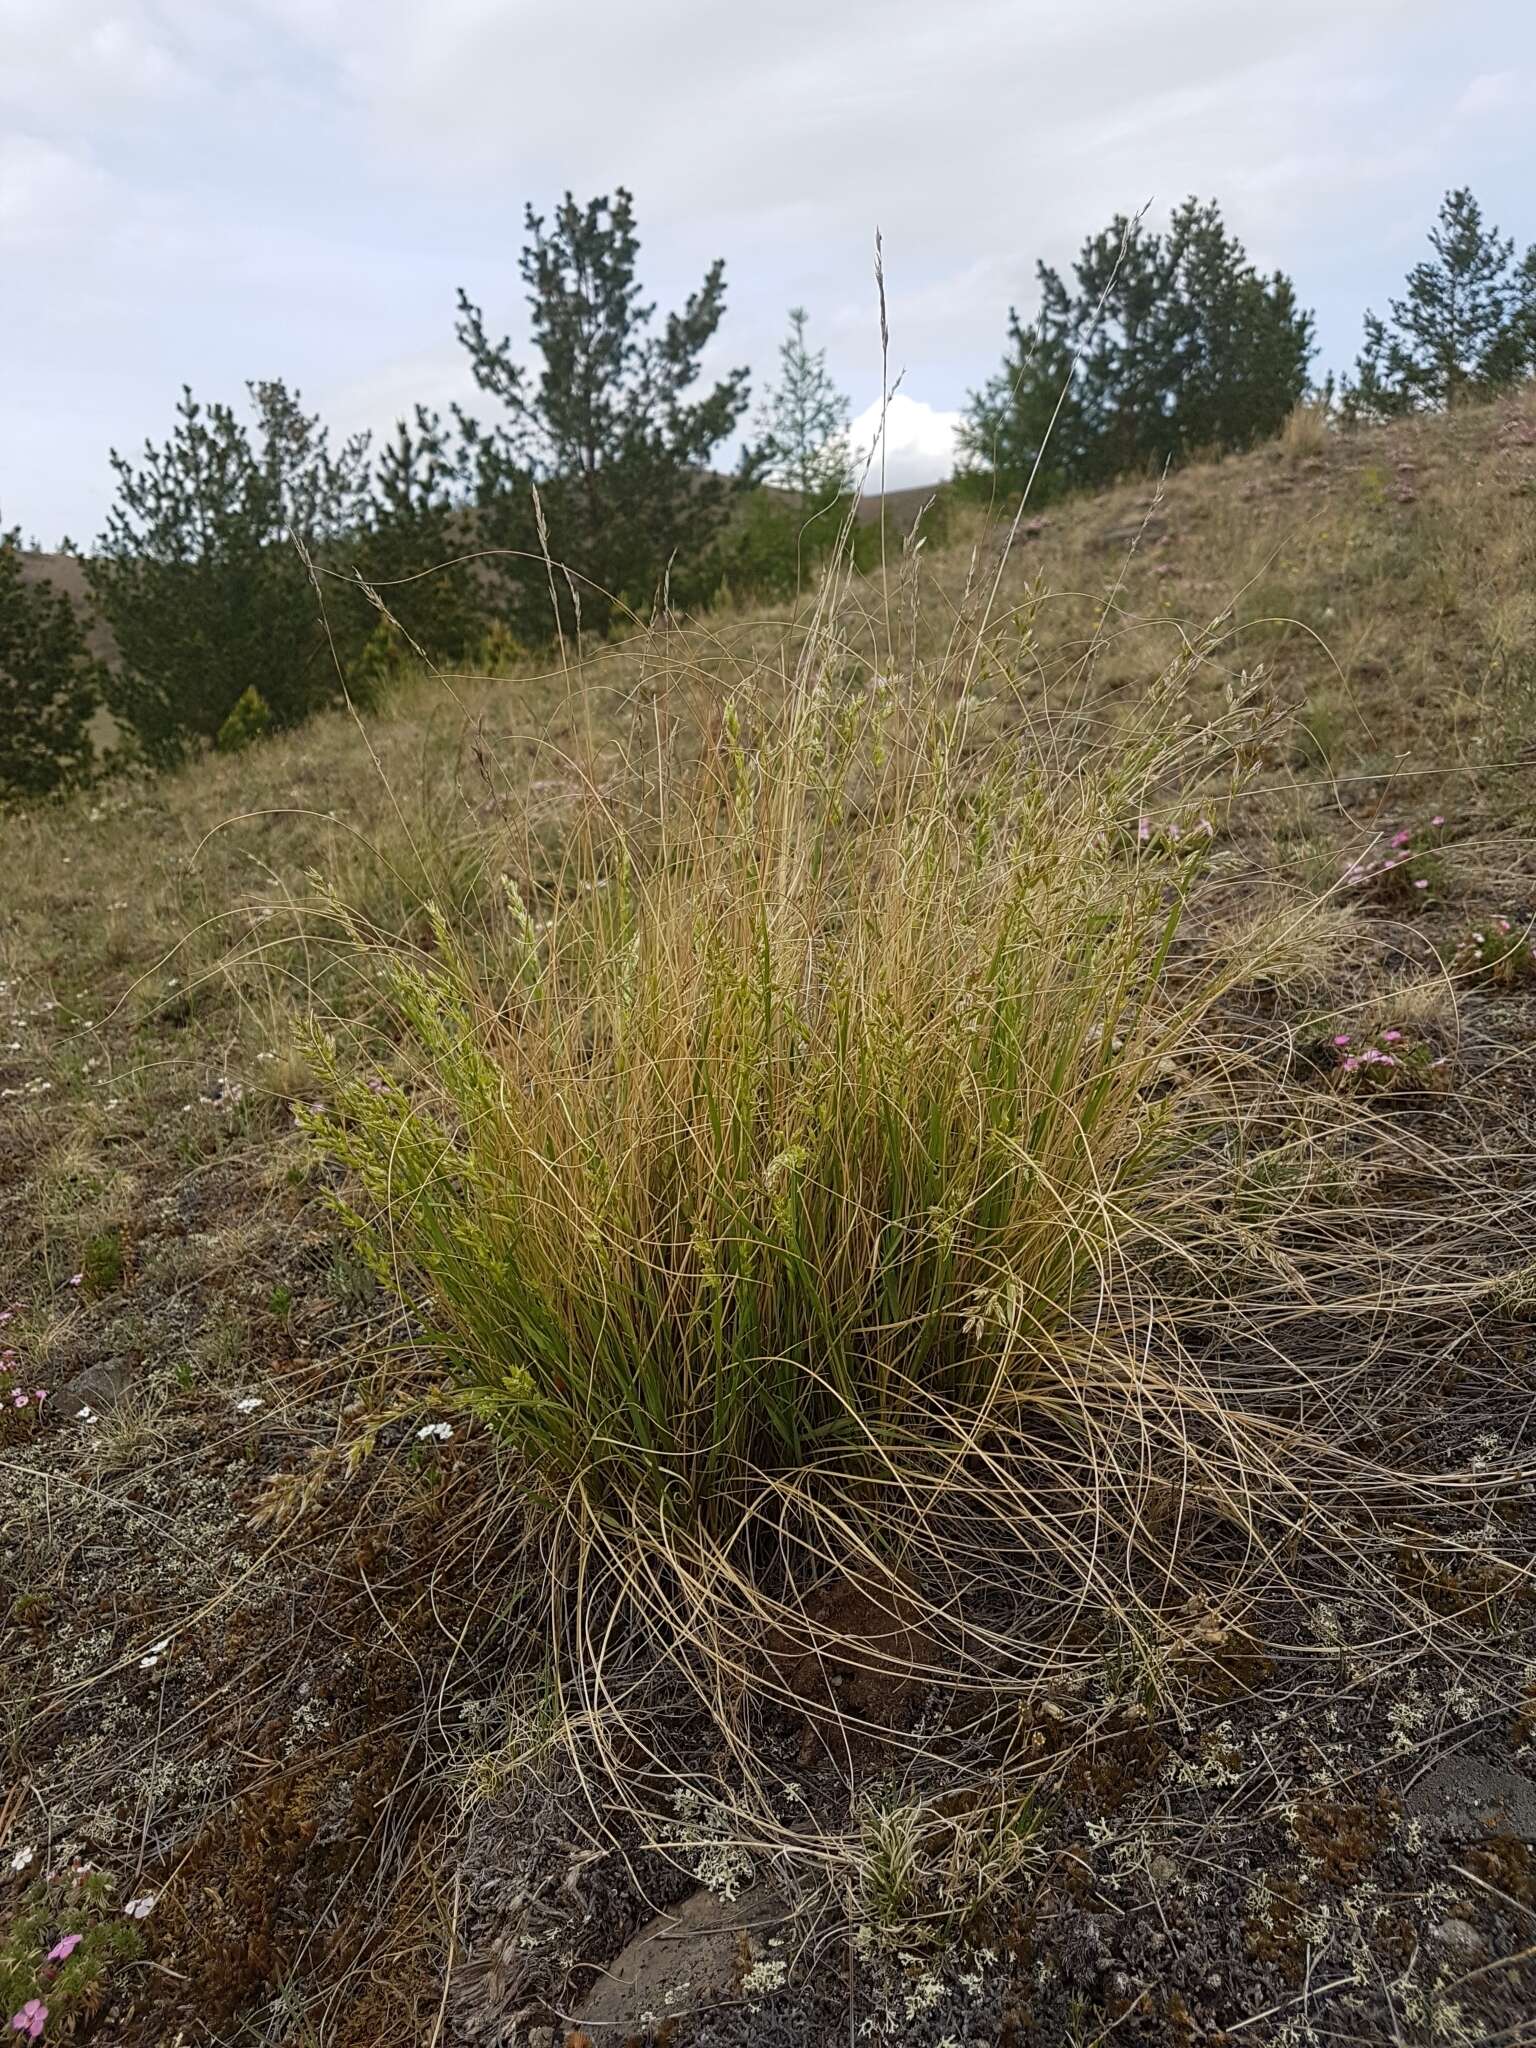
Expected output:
(901, 507)
(66, 573)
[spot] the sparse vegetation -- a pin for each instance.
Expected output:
(840, 1431)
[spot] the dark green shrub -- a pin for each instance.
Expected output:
(49, 685)
(201, 577)
(1162, 347)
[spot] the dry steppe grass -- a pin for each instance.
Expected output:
(1185, 1696)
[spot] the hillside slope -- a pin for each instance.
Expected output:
(263, 1661)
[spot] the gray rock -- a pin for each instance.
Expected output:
(99, 1387)
(1460, 1938)
(686, 1961)
(1464, 1794)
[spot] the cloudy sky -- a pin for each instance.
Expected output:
(205, 191)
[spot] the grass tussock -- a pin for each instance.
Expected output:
(754, 1148)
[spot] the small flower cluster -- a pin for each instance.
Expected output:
(1172, 839)
(59, 1944)
(11, 1390)
(16, 1394)
(1386, 1060)
(1399, 875)
(1501, 953)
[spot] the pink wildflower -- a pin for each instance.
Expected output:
(64, 1947)
(140, 1909)
(1437, 821)
(1401, 838)
(1421, 883)
(74, 1280)
(1144, 830)
(1390, 1037)
(29, 2021)
(1342, 1039)
(1351, 1065)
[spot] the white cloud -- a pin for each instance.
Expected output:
(1493, 92)
(919, 442)
(90, 55)
(46, 194)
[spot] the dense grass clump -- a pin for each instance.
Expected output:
(785, 1130)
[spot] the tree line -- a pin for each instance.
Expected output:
(251, 568)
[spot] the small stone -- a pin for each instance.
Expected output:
(99, 1387)
(1460, 1937)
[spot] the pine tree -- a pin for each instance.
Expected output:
(610, 432)
(802, 424)
(1465, 328)
(198, 575)
(417, 541)
(49, 685)
(1179, 346)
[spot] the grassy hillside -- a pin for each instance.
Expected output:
(292, 1645)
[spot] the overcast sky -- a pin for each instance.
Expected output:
(205, 191)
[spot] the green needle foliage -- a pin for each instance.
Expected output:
(200, 580)
(1165, 346)
(416, 546)
(49, 685)
(802, 424)
(614, 433)
(1465, 328)
(803, 467)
